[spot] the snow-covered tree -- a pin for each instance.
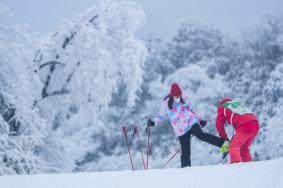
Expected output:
(55, 90)
(26, 146)
(262, 52)
(270, 143)
(82, 65)
(194, 42)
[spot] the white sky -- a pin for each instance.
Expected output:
(163, 17)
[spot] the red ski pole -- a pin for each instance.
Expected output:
(148, 146)
(139, 143)
(171, 157)
(126, 137)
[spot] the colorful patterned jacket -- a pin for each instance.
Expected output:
(182, 116)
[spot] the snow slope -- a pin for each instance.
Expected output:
(245, 175)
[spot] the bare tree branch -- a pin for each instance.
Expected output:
(36, 56)
(51, 63)
(93, 18)
(47, 81)
(68, 40)
(70, 76)
(59, 92)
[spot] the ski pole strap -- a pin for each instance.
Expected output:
(125, 131)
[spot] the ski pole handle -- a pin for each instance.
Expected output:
(135, 131)
(124, 131)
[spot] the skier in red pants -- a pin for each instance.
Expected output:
(245, 124)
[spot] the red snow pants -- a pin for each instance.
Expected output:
(239, 147)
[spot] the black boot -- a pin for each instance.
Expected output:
(185, 142)
(185, 161)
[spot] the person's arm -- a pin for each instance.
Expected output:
(220, 122)
(190, 107)
(162, 114)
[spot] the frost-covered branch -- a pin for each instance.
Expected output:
(38, 57)
(59, 92)
(93, 18)
(70, 77)
(47, 81)
(68, 40)
(51, 63)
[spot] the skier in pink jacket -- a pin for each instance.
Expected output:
(185, 122)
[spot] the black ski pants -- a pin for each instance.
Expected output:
(185, 141)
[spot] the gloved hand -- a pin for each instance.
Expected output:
(150, 123)
(202, 123)
(225, 147)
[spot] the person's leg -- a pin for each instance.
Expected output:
(185, 142)
(206, 137)
(244, 151)
(239, 139)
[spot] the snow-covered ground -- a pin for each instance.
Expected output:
(265, 174)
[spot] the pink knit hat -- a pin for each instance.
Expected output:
(175, 90)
